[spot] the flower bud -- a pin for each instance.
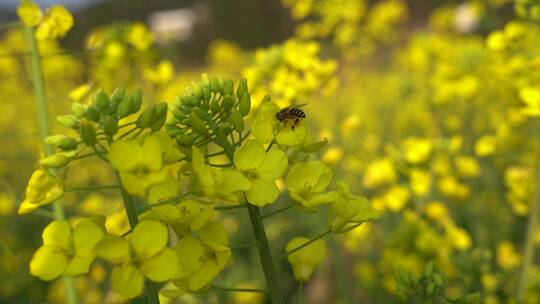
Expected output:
(228, 87)
(214, 86)
(101, 100)
(124, 108)
(174, 130)
(68, 121)
(214, 106)
(136, 100)
(153, 117)
(245, 104)
(118, 94)
(61, 141)
(196, 90)
(57, 160)
(110, 125)
(198, 111)
(185, 140)
(146, 118)
(236, 121)
(88, 134)
(206, 93)
(197, 124)
(79, 109)
(229, 102)
(160, 116)
(205, 80)
(242, 88)
(93, 113)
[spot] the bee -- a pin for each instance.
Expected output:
(291, 114)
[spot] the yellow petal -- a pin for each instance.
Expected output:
(86, 236)
(58, 234)
(148, 238)
(29, 13)
(113, 248)
(161, 267)
(127, 281)
(48, 263)
(125, 155)
(262, 192)
(78, 265)
(249, 156)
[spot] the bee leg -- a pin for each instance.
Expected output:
(295, 123)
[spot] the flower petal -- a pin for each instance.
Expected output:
(203, 276)
(57, 234)
(125, 155)
(214, 236)
(48, 263)
(148, 238)
(189, 251)
(127, 281)
(249, 156)
(161, 267)
(113, 248)
(78, 265)
(86, 235)
(152, 154)
(274, 165)
(262, 192)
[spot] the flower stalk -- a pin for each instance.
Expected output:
(528, 249)
(44, 131)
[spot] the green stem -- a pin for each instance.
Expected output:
(320, 236)
(104, 187)
(230, 207)
(270, 272)
(151, 289)
(230, 289)
(528, 250)
(265, 255)
(277, 211)
(45, 131)
(300, 290)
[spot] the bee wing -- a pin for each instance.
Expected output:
(300, 105)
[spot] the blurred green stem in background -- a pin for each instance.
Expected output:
(44, 131)
(528, 250)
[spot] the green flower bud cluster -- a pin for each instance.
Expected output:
(211, 109)
(529, 9)
(99, 120)
(429, 287)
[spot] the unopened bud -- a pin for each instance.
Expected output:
(228, 87)
(245, 104)
(101, 100)
(79, 109)
(68, 121)
(242, 88)
(61, 141)
(236, 121)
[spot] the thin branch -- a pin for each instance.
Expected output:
(311, 241)
(74, 189)
(164, 202)
(229, 207)
(277, 211)
(230, 289)
(244, 246)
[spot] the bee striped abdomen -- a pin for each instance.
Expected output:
(298, 113)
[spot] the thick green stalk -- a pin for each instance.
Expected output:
(528, 250)
(44, 131)
(265, 255)
(133, 219)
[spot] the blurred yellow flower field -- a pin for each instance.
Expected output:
(379, 152)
